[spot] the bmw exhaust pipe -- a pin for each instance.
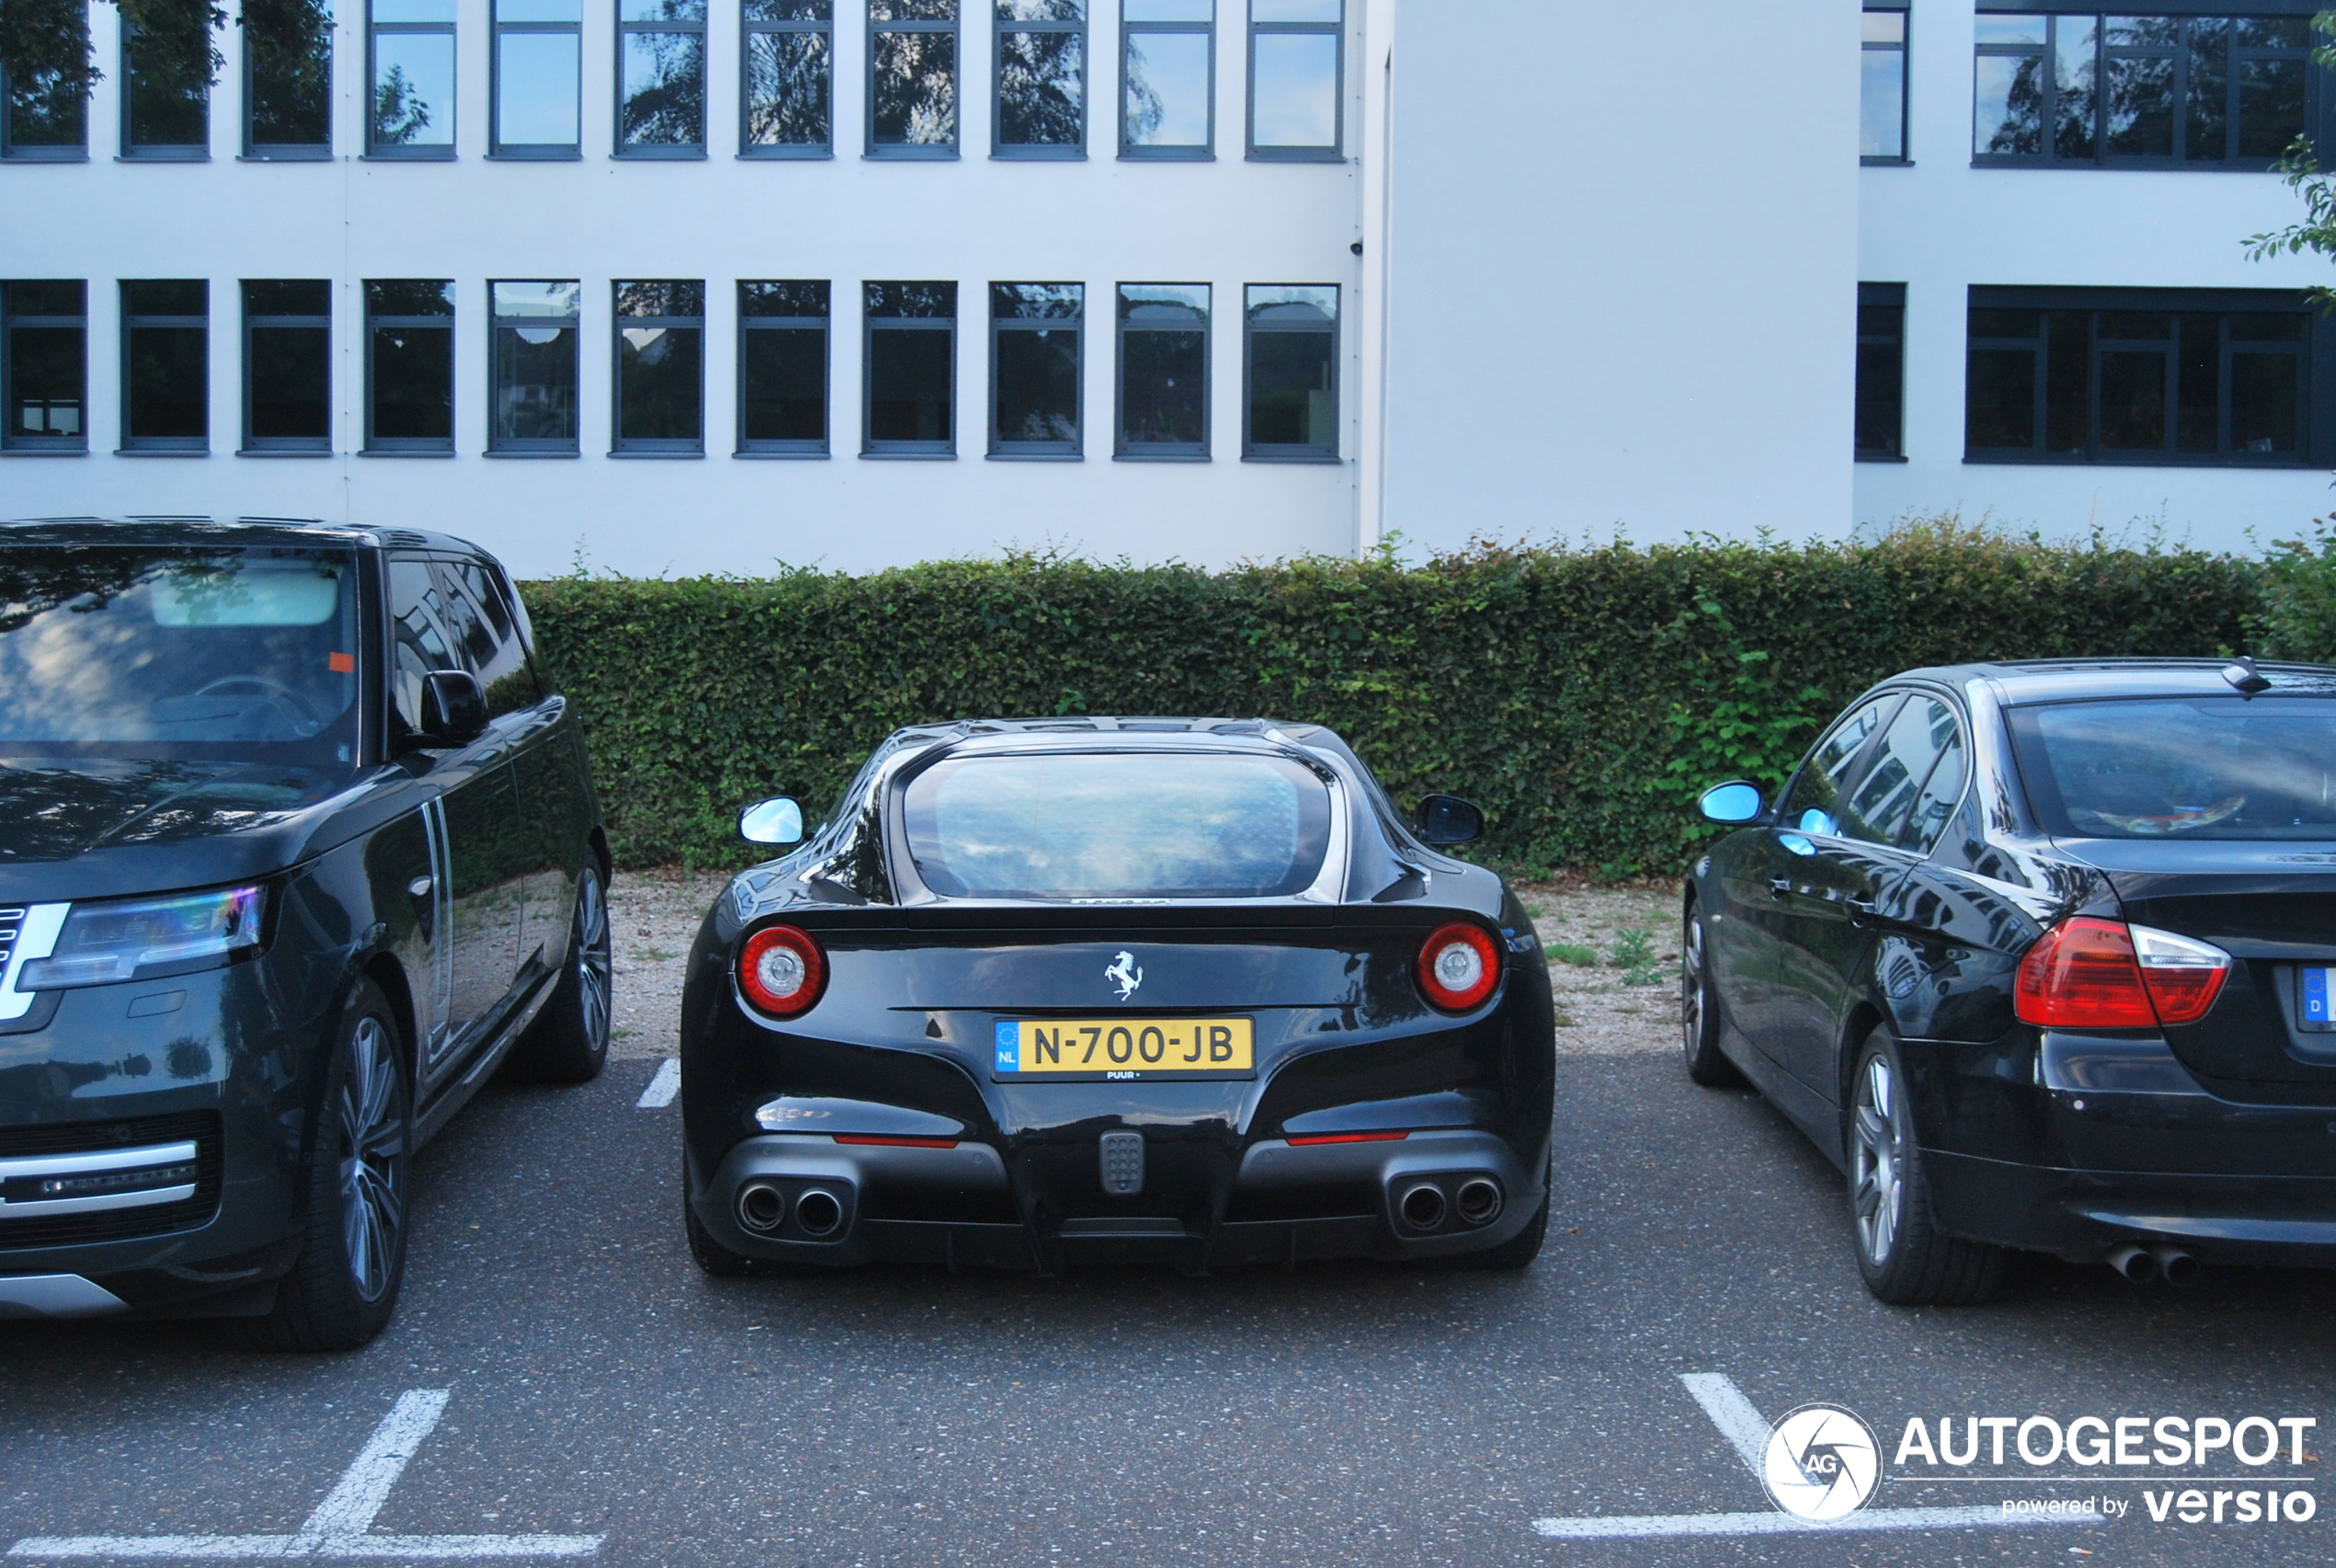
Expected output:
(2175, 1266)
(1479, 1200)
(1421, 1207)
(2136, 1263)
(818, 1212)
(761, 1206)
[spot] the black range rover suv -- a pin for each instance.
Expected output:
(295, 849)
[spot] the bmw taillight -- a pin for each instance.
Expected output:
(1459, 966)
(781, 970)
(2087, 973)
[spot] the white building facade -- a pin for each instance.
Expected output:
(712, 285)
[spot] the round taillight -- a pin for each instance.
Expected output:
(781, 970)
(1458, 967)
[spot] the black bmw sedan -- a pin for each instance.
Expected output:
(2041, 955)
(1178, 990)
(295, 848)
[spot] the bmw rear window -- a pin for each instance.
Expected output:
(1118, 825)
(2181, 767)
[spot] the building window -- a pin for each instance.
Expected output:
(2141, 92)
(1167, 78)
(166, 366)
(538, 44)
(534, 354)
(44, 365)
(783, 368)
(166, 96)
(1882, 113)
(288, 79)
(1296, 49)
(411, 76)
(911, 356)
(660, 368)
(789, 96)
(1042, 79)
(288, 366)
(1881, 371)
(1292, 410)
(912, 78)
(661, 86)
(44, 111)
(1164, 371)
(410, 365)
(2151, 376)
(1034, 380)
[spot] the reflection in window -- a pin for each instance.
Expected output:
(1882, 113)
(1035, 368)
(912, 78)
(1042, 78)
(2134, 376)
(789, 63)
(166, 355)
(44, 113)
(2148, 91)
(411, 108)
(782, 367)
(44, 365)
(167, 67)
(1292, 405)
(1295, 48)
(287, 77)
(287, 331)
(1163, 370)
(661, 367)
(536, 82)
(1881, 392)
(660, 90)
(1167, 78)
(410, 365)
(911, 369)
(532, 398)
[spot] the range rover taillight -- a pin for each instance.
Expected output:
(2087, 973)
(1459, 966)
(781, 970)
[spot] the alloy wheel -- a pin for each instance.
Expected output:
(1878, 1190)
(1691, 987)
(594, 971)
(373, 1165)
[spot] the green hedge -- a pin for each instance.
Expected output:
(1582, 698)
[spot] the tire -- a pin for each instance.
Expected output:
(1906, 1259)
(343, 1287)
(568, 1041)
(1699, 1017)
(1519, 1251)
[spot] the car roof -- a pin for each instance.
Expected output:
(222, 531)
(2063, 680)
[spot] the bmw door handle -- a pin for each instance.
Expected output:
(1779, 886)
(1861, 910)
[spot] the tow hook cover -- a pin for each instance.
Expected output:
(1123, 1163)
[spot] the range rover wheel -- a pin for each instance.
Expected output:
(1699, 1011)
(568, 1041)
(1906, 1260)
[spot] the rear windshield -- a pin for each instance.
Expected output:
(1106, 825)
(179, 653)
(2188, 767)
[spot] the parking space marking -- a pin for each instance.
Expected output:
(338, 1527)
(1740, 1422)
(663, 1087)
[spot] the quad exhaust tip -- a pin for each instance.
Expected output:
(761, 1206)
(819, 1211)
(1479, 1200)
(1421, 1207)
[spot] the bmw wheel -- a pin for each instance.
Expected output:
(1699, 1011)
(1907, 1261)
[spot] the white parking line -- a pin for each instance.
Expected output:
(1747, 1433)
(663, 1087)
(338, 1526)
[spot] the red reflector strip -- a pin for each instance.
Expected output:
(1348, 1137)
(898, 1143)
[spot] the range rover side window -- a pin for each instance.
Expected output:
(418, 642)
(1814, 804)
(484, 638)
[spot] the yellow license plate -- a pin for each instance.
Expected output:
(1128, 1047)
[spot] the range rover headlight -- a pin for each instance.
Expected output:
(105, 940)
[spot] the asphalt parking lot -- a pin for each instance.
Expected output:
(596, 1385)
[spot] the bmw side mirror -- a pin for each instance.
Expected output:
(1448, 819)
(453, 712)
(1732, 803)
(774, 822)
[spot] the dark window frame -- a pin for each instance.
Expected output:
(289, 152)
(157, 151)
(1891, 297)
(284, 446)
(1904, 49)
(411, 446)
(700, 30)
(1042, 152)
(175, 446)
(74, 152)
(621, 444)
(749, 30)
(872, 324)
(1336, 152)
(1207, 151)
(999, 326)
(533, 446)
(537, 151)
(825, 327)
(1122, 448)
(1252, 451)
(11, 438)
(404, 151)
(2316, 412)
(952, 148)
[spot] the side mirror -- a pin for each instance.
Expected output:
(774, 822)
(453, 712)
(1732, 803)
(1448, 819)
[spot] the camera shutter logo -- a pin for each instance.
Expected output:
(1822, 1463)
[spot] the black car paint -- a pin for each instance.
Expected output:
(2215, 1137)
(1345, 1043)
(347, 861)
